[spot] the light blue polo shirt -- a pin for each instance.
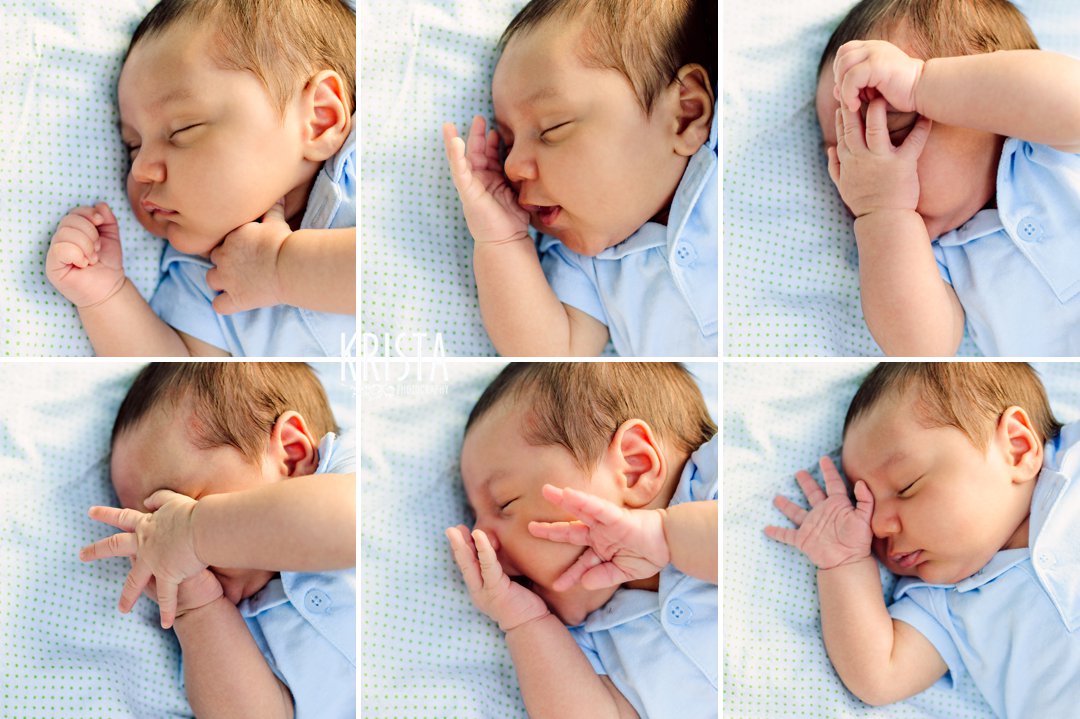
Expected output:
(660, 648)
(1014, 625)
(184, 300)
(656, 290)
(1016, 269)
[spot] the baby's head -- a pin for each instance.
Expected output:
(601, 103)
(958, 166)
(202, 428)
(622, 431)
(951, 452)
(227, 106)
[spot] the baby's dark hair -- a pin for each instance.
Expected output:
(232, 403)
(580, 405)
(936, 28)
(646, 40)
(282, 42)
(970, 396)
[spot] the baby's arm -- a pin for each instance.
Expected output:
(628, 544)
(521, 313)
(555, 677)
(909, 309)
(85, 264)
(881, 660)
(1030, 94)
(225, 674)
(266, 263)
(305, 524)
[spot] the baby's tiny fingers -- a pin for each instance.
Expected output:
(134, 583)
(567, 532)
(810, 488)
(790, 510)
(167, 602)
(126, 519)
(490, 569)
(576, 571)
(786, 535)
(116, 545)
(465, 558)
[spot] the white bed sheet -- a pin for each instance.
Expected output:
(790, 263)
(59, 147)
(778, 418)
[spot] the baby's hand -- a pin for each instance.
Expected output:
(85, 261)
(869, 172)
(489, 202)
(623, 544)
(833, 532)
(245, 268)
(493, 593)
(163, 544)
(867, 69)
(192, 594)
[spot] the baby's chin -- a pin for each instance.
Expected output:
(573, 605)
(239, 584)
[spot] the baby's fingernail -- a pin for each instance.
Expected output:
(98, 218)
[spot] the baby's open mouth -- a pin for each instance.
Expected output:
(545, 213)
(906, 559)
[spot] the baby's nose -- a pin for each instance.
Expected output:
(884, 522)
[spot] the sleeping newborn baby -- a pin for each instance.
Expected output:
(247, 168)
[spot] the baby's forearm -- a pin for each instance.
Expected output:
(224, 672)
(304, 524)
(909, 309)
(691, 532)
(125, 326)
(317, 270)
(1030, 94)
(521, 313)
(880, 659)
(556, 680)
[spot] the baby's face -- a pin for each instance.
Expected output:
(212, 152)
(158, 453)
(587, 163)
(942, 507)
(503, 474)
(957, 168)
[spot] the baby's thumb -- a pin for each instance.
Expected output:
(916, 139)
(276, 213)
(158, 498)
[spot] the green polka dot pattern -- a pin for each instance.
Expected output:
(779, 418)
(422, 64)
(791, 283)
(65, 650)
(427, 652)
(59, 148)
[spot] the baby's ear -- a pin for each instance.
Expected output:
(293, 449)
(638, 461)
(692, 102)
(1024, 451)
(326, 116)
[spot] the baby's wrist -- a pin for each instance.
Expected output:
(524, 623)
(850, 561)
(108, 296)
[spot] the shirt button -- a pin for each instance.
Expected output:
(1029, 230)
(685, 254)
(679, 612)
(317, 601)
